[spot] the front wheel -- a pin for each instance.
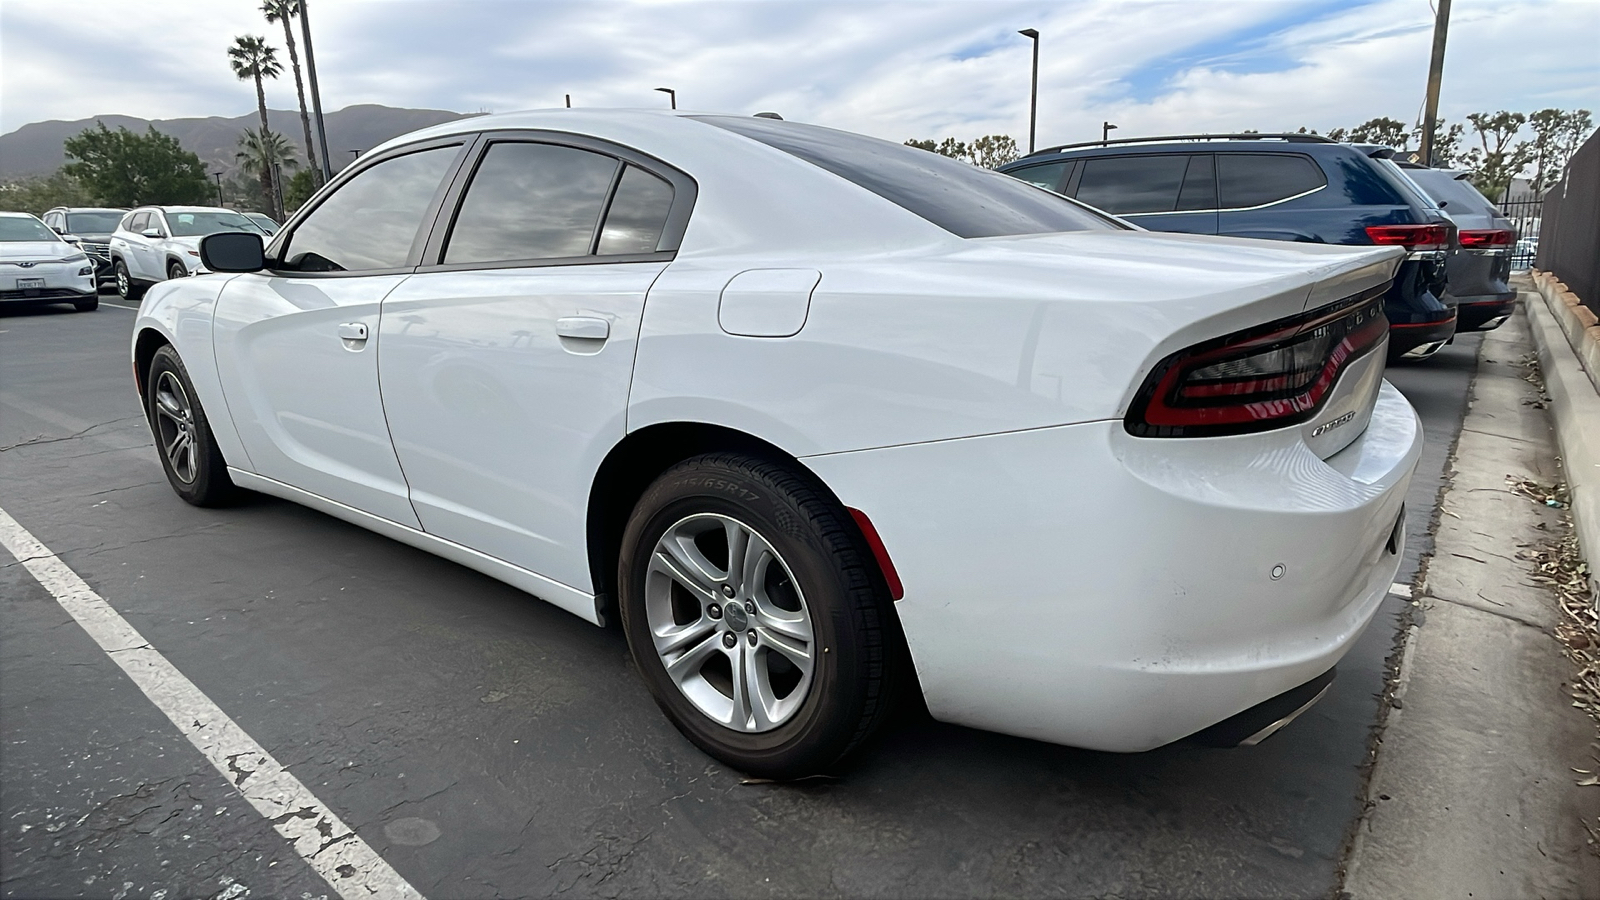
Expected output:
(126, 289)
(189, 453)
(89, 305)
(753, 616)
(175, 270)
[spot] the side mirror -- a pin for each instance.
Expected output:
(233, 251)
(69, 238)
(152, 233)
(58, 229)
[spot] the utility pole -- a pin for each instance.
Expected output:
(1430, 115)
(316, 92)
(1033, 94)
(218, 177)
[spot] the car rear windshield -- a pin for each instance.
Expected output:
(194, 224)
(17, 228)
(960, 198)
(1444, 186)
(93, 222)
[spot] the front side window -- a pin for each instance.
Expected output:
(1256, 179)
(962, 199)
(139, 221)
(531, 201)
(372, 220)
(1126, 185)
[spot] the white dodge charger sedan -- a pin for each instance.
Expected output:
(821, 419)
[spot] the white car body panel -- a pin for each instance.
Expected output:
(53, 264)
(1064, 580)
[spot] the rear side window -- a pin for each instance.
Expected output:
(962, 199)
(1125, 185)
(1256, 179)
(1048, 176)
(638, 214)
(531, 201)
(371, 221)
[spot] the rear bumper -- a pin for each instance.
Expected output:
(1085, 587)
(1413, 340)
(1484, 313)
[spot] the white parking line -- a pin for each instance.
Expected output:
(118, 305)
(338, 854)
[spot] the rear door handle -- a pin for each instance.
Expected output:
(588, 328)
(353, 331)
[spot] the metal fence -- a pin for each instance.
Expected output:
(1525, 213)
(1569, 225)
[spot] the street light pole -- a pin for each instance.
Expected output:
(1105, 132)
(1430, 115)
(671, 93)
(1033, 95)
(218, 177)
(316, 93)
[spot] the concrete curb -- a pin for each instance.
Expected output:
(1575, 404)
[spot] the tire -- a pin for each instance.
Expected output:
(175, 270)
(127, 289)
(189, 455)
(89, 305)
(813, 576)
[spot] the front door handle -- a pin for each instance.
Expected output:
(353, 331)
(588, 328)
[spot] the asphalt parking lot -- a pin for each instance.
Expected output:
(487, 744)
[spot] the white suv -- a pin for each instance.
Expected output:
(155, 243)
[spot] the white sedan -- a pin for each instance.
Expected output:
(821, 420)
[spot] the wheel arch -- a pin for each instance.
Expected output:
(144, 351)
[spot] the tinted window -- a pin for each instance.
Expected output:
(531, 201)
(195, 224)
(637, 215)
(1047, 176)
(91, 222)
(1133, 184)
(1443, 185)
(960, 198)
(1256, 179)
(1199, 184)
(372, 219)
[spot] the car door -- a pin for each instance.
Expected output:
(1159, 191)
(150, 251)
(1257, 193)
(131, 240)
(296, 344)
(505, 366)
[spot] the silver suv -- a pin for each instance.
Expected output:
(155, 243)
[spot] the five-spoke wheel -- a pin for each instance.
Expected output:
(189, 453)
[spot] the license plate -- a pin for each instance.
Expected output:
(28, 284)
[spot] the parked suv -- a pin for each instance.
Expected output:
(1479, 272)
(1288, 187)
(155, 243)
(90, 228)
(37, 266)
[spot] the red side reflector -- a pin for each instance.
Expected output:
(1491, 237)
(1411, 237)
(881, 553)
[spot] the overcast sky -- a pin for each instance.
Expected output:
(892, 69)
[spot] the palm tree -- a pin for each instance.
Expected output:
(267, 152)
(283, 11)
(252, 57)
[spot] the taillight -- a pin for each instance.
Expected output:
(1411, 237)
(1490, 237)
(1270, 376)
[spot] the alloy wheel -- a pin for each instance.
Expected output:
(729, 622)
(176, 427)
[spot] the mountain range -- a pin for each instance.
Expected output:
(35, 148)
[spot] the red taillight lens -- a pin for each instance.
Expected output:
(1491, 237)
(1411, 237)
(1267, 377)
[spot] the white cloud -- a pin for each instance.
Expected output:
(893, 69)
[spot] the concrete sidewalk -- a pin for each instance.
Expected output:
(1473, 792)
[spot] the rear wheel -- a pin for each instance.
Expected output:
(176, 270)
(753, 616)
(189, 453)
(126, 288)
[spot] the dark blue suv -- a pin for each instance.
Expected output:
(1285, 187)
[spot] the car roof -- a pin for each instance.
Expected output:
(73, 209)
(19, 215)
(1183, 145)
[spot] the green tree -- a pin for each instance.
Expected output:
(1556, 136)
(121, 168)
(36, 195)
(267, 153)
(299, 190)
(1383, 130)
(1497, 159)
(948, 147)
(1446, 143)
(251, 57)
(284, 11)
(994, 150)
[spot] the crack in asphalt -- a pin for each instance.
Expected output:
(41, 439)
